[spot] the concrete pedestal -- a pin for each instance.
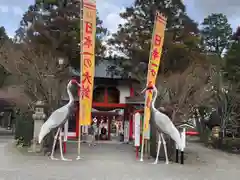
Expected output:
(38, 118)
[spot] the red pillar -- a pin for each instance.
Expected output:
(130, 111)
(131, 91)
(130, 126)
(105, 95)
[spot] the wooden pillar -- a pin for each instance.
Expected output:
(153, 140)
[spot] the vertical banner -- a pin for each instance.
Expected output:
(87, 60)
(154, 62)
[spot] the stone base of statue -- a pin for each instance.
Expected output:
(38, 118)
(35, 147)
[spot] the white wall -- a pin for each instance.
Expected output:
(124, 92)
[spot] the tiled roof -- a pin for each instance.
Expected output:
(101, 70)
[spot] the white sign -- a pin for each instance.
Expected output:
(147, 133)
(137, 129)
(65, 134)
(126, 131)
(183, 137)
(133, 131)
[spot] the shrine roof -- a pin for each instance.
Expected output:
(102, 71)
(5, 104)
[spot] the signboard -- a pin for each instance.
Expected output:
(137, 129)
(65, 134)
(183, 137)
(126, 131)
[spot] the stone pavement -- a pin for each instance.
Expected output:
(116, 162)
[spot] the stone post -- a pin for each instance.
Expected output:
(38, 117)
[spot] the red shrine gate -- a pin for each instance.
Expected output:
(104, 102)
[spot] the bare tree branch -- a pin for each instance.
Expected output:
(36, 69)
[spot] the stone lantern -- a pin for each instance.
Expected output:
(39, 116)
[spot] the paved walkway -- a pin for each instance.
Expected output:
(116, 162)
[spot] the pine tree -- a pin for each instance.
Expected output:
(3, 35)
(55, 25)
(216, 33)
(132, 40)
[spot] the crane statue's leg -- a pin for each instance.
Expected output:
(177, 156)
(54, 144)
(165, 148)
(61, 148)
(158, 149)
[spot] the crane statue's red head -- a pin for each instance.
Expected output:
(74, 81)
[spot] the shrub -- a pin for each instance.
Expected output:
(24, 129)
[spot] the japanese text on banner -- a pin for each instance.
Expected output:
(154, 62)
(87, 62)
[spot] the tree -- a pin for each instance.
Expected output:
(3, 35)
(56, 26)
(232, 65)
(133, 39)
(3, 38)
(188, 92)
(216, 33)
(35, 74)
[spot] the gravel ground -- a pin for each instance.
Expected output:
(116, 162)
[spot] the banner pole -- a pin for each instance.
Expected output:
(147, 92)
(80, 97)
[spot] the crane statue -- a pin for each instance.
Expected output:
(164, 125)
(57, 120)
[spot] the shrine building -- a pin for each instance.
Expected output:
(114, 101)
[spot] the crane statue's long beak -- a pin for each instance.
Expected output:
(75, 82)
(79, 85)
(147, 88)
(143, 91)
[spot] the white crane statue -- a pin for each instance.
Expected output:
(164, 125)
(57, 120)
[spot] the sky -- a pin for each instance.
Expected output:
(11, 11)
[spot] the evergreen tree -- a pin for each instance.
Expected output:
(3, 35)
(232, 66)
(55, 24)
(133, 39)
(216, 33)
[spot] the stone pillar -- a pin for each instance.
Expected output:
(38, 117)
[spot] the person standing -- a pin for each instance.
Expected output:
(92, 133)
